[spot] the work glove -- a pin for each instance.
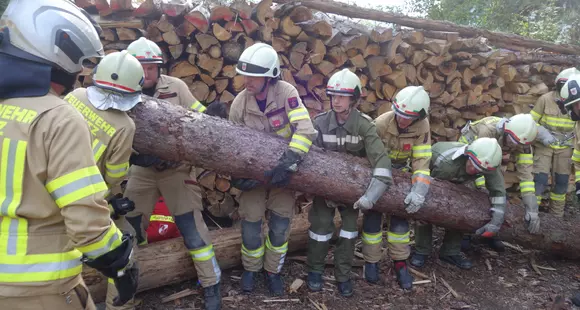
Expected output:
(531, 217)
(244, 184)
(545, 136)
(120, 206)
(371, 196)
(119, 266)
(287, 164)
(144, 160)
(416, 197)
(218, 109)
(492, 228)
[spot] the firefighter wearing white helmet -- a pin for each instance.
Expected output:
(515, 136)
(345, 129)
(406, 133)
(553, 147)
(274, 106)
(53, 188)
(461, 163)
(152, 177)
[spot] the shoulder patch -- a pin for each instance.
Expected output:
(293, 102)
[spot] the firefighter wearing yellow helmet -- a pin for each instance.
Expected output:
(461, 163)
(344, 129)
(553, 148)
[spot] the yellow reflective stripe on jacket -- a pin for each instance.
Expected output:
(202, 254)
(110, 241)
(98, 149)
(527, 187)
(525, 159)
(197, 106)
(285, 131)
(463, 139)
(161, 218)
(372, 238)
(117, 171)
(298, 115)
(559, 122)
(13, 236)
(76, 185)
(257, 253)
(422, 151)
(559, 147)
(40, 267)
(479, 182)
(535, 115)
(577, 174)
(576, 155)
(13, 157)
(398, 238)
(300, 143)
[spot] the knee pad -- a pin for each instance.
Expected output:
(186, 225)
(540, 181)
(372, 222)
(561, 181)
(251, 232)
(398, 225)
(135, 221)
(278, 228)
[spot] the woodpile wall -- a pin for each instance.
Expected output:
(465, 78)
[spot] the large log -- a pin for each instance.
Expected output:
(497, 38)
(167, 131)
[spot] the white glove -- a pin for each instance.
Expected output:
(374, 192)
(492, 228)
(363, 203)
(531, 217)
(414, 202)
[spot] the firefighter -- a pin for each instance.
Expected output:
(274, 106)
(117, 88)
(515, 136)
(460, 163)
(344, 129)
(152, 177)
(53, 215)
(553, 149)
(406, 133)
(570, 105)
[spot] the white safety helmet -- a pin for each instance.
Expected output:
(119, 72)
(563, 76)
(570, 92)
(56, 33)
(146, 51)
(484, 153)
(412, 102)
(259, 59)
(521, 128)
(344, 83)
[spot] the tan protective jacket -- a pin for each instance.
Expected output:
(112, 133)
(285, 115)
(576, 154)
(175, 91)
(51, 198)
(413, 143)
(547, 113)
(488, 127)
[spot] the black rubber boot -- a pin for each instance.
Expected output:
(248, 281)
(457, 260)
(466, 243)
(212, 297)
(403, 276)
(275, 284)
(314, 281)
(371, 272)
(345, 288)
(418, 260)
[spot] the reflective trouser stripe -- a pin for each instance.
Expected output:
(300, 143)
(111, 240)
(277, 249)
(372, 238)
(539, 199)
(422, 151)
(161, 218)
(319, 238)
(577, 176)
(527, 187)
(197, 106)
(117, 171)
(479, 182)
(76, 185)
(39, 267)
(398, 238)
(557, 197)
(98, 149)
(348, 234)
(257, 253)
(576, 156)
(13, 157)
(202, 254)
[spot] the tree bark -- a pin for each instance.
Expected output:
(496, 38)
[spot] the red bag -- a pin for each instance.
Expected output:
(161, 224)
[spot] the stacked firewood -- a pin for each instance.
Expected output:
(465, 77)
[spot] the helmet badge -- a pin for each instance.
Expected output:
(573, 91)
(243, 66)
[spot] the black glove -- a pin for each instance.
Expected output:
(244, 184)
(287, 164)
(121, 206)
(218, 109)
(118, 266)
(165, 164)
(144, 160)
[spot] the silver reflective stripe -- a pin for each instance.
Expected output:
(319, 238)
(369, 237)
(444, 155)
(397, 238)
(97, 148)
(76, 185)
(9, 177)
(102, 250)
(497, 200)
(39, 267)
(124, 169)
(329, 138)
(382, 172)
(353, 139)
(348, 234)
(12, 236)
(216, 269)
(497, 210)
(281, 262)
(298, 114)
(300, 142)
